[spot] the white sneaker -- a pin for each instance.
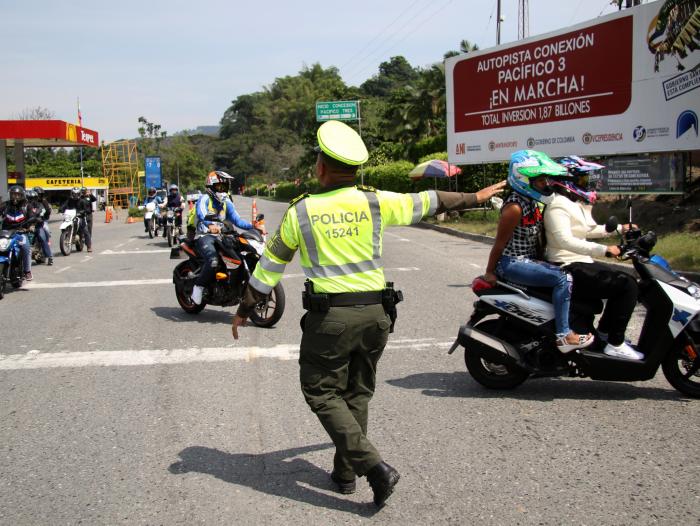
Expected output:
(623, 351)
(197, 294)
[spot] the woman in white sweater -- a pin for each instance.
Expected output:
(568, 225)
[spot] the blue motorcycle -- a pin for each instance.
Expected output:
(10, 260)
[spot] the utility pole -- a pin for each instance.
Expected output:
(498, 23)
(523, 19)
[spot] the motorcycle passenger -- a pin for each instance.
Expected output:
(153, 198)
(210, 211)
(175, 201)
(77, 203)
(87, 196)
(38, 210)
(517, 253)
(42, 228)
(18, 214)
(568, 225)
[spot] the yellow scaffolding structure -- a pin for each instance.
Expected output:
(120, 161)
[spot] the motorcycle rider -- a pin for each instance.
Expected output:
(517, 252)
(152, 197)
(175, 201)
(77, 203)
(210, 211)
(18, 214)
(87, 196)
(568, 225)
(43, 231)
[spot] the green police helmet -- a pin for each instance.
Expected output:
(342, 143)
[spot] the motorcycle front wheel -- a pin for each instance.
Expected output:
(681, 366)
(169, 235)
(489, 374)
(66, 241)
(183, 296)
(151, 228)
(269, 311)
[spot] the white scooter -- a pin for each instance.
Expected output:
(150, 219)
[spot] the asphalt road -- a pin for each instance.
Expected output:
(119, 408)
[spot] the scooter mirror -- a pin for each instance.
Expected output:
(611, 224)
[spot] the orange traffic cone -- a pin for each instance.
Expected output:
(255, 210)
(130, 220)
(108, 214)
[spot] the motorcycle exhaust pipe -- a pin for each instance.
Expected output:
(491, 347)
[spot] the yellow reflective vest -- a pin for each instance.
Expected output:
(339, 236)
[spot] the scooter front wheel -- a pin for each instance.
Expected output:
(681, 366)
(490, 374)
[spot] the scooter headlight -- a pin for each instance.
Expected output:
(4, 243)
(694, 291)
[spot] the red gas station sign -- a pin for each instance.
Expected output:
(47, 133)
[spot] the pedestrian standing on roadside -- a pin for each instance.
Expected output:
(351, 309)
(87, 196)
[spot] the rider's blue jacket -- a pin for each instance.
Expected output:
(206, 206)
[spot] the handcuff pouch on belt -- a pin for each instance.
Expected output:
(322, 302)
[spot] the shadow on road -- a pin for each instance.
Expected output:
(277, 473)
(206, 316)
(459, 384)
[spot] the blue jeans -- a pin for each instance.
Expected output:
(540, 274)
(26, 252)
(207, 249)
(42, 233)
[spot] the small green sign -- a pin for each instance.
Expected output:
(341, 110)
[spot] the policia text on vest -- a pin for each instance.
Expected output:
(338, 233)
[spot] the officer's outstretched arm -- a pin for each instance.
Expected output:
(459, 200)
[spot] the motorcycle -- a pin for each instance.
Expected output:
(10, 260)
(510, 335)
(169, 224)
(150, 219)
(35, 243)
(238, 254)
(71, 233)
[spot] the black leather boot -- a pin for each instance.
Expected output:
(382, 478)
(346, 487)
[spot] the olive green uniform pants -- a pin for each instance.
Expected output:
(338, 362)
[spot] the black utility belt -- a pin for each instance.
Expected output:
(321, 302)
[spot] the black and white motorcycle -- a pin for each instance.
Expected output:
(510, 335)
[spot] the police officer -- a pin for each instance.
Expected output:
(351, 309)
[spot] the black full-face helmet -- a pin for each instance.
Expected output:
(151, 191)
(75, 192)
(17, 194)
(39, 191)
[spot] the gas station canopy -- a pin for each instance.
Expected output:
(46, 133)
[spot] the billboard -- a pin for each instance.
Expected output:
(152, 169)
(624, 83)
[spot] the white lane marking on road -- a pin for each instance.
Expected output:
(475, 265)
(79, 284)
(86, 259)
(63, 269)
(120, 245)
(37, 360)
(397, 237)
(164, 281)
(153, 251)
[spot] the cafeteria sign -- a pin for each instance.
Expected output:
(66, 183)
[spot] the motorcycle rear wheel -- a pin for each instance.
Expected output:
(184, 299)
(489, 374)
(79, 244)
(66, 241)
(681, 367)
(270, 311)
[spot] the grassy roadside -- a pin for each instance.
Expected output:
(681, 249)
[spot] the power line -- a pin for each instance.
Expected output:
(379, 34)
(407, 33)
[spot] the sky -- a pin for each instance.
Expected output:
(181, 64)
